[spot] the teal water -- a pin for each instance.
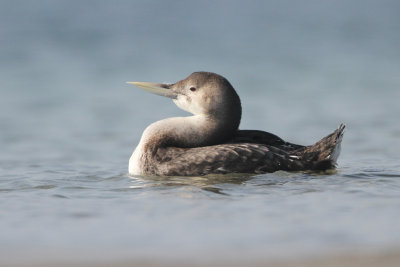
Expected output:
(68, 124)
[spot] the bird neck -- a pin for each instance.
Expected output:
(192, 131)
(185, 132)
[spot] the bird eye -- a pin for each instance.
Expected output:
(192, 89)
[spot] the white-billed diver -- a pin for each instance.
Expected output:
(210, 141)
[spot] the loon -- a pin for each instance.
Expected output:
(210, 142)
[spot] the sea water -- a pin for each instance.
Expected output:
(68, 124)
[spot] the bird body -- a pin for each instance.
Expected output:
(210, 142)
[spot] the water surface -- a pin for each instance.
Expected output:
(68, 124)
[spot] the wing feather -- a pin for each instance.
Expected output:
(265, 138)
(224, 158)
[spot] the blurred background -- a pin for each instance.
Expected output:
(300, 67)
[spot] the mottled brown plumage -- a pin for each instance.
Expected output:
(210, 142)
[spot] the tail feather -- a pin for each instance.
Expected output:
(337, 147)
(324, 154)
